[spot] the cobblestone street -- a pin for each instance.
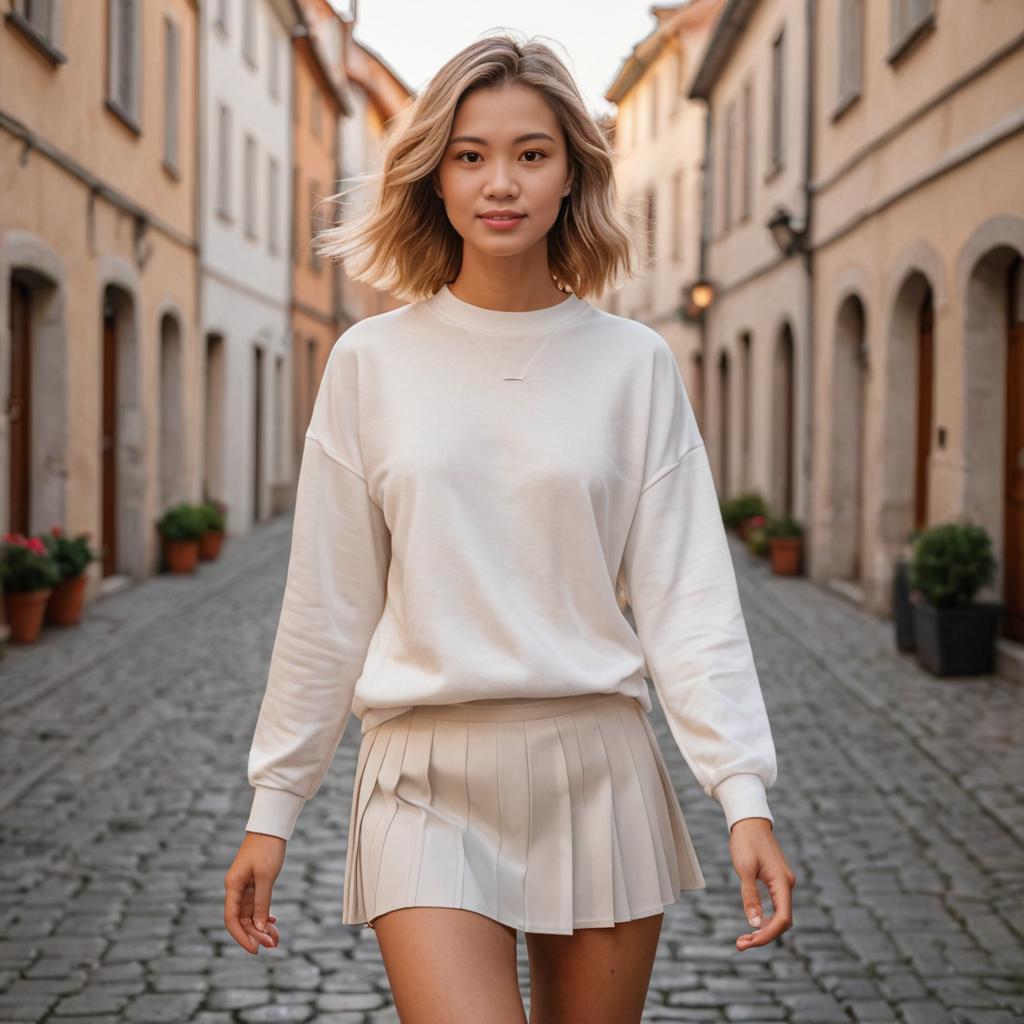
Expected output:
(899, 806)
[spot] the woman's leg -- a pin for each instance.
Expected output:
(447, 965)
(597, 975)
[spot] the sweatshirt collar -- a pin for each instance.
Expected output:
(447, 305)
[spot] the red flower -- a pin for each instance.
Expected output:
(56, 531)
(757, 521)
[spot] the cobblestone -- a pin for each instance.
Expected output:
(899, 805)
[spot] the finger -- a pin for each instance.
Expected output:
(261, 903)
(751, 898)
(232, 916)
(781, 919)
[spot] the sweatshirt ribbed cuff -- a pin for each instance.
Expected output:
(743, 796)
(274, 811)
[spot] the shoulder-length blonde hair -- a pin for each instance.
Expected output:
(405, 243)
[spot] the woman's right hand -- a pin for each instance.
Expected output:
(247, 889)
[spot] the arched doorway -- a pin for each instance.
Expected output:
(122, 438)
(724, 419)
(33, 373)
(172, 415)
(994, 417)
(910, 379)
(782, 495)
(213, 419)
(849, 419)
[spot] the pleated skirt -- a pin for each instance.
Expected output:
(545, 815)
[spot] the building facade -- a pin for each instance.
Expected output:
(659, 157)
(99, 356)
(246, 77)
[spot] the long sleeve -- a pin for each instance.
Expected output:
(334, 595)
(681, 587)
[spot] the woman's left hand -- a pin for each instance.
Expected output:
(756, 854)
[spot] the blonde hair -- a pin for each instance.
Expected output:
(405, 244)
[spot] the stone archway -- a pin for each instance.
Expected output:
(34, 291)
(993, 491)
(848, 400)
(172, 433)
(123, 423)
(782, 486)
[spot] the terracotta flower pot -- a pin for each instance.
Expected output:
(65, 605)
(181, 555)
(785, 555)
(210, 544)
(25, 611)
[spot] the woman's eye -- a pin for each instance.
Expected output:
(470, 152)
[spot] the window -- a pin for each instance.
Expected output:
(314, 224)
(747, 191)
(274, 64)
(273, 188)
(293, 218)
(678, 213)
(850, 45)
(250, 186)
(172, 64)
(39, 21)
(654, 105)
(652, 225)
(224, 161)
(220, 20)
(907, 20)
(249, 31)
(316, 112)
(728, 165)
(124, 40)
(777, 136)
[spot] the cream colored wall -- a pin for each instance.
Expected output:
(51, 222)
(920, 176)
(650, 162)
(758, 291)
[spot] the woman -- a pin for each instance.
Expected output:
(490, 473)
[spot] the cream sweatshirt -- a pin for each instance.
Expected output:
(480, 493)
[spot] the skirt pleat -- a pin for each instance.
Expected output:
(546, 815)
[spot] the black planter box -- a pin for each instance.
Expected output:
(902, 609)
(957, 641)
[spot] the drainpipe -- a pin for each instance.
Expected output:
(810, 23)
(702, 270)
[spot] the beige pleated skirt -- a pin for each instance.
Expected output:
(546, 815)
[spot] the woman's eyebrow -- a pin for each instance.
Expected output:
(517, 139)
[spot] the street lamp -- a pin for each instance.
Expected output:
(695, 298)
(787, 231)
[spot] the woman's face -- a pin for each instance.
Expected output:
(507, 151)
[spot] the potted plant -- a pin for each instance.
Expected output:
(902, 608)
(28, 572)
(213, 532)
(72, 555)
(181, 526)
(954, 634)
(749, 506)
(785, 543)
(757, 536)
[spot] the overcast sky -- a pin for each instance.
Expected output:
(592, 38)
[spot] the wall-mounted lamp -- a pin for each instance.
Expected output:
(787, 231)
(695, 298)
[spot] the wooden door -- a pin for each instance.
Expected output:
(108, 442)
(20, 409)
(1013, 512)
(925, 370)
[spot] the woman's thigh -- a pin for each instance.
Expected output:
(447, 964)
(596, 975)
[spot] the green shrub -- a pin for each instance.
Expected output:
(183, 522)
(72, 554)
(26, 565)
(213, 515)
(951, 562)
(783, 526)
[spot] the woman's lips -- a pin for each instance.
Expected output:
(503, 223)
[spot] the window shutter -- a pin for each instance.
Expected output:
(171, 99)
